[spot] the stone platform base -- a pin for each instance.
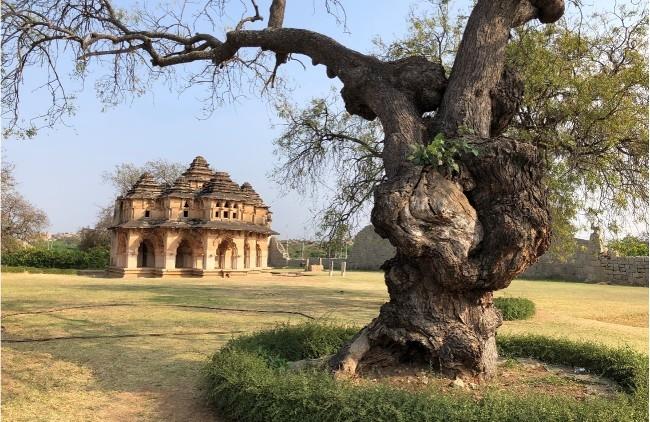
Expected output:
(148, 272)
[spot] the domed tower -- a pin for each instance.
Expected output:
(204, 224)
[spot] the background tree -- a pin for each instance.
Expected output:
(630, 245)
(22, 223)
(585, 106)
(461, 229)
(124, 175)
(99, 235)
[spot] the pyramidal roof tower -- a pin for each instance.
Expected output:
(203, 224)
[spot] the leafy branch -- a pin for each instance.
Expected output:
(442, 152)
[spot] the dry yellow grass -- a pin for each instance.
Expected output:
(155, 378)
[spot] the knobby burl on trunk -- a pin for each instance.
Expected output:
(459, 236)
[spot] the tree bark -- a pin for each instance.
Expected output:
(459, 235)
(458, 238)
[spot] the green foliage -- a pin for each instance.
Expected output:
(245, 385)
(515, 308)
(630, 246)
(96, 258)
(442, 152)
(34, 270)
(586, 105)
(286, 342)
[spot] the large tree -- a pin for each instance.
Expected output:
(463, 224)
(586, 112)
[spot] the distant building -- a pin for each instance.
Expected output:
(204, 224)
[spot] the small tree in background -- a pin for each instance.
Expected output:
(22, 223)
(630, 246)
(123, 176)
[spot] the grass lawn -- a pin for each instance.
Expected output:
(153, 377)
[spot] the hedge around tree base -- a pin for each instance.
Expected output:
(515, 308)
(248, 380)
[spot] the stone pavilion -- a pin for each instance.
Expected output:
(204, 224)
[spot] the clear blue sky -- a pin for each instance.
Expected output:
(60, 170)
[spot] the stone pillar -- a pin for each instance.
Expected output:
(264, 245)
(114, 259)
(240, 243)
(170, 251)
(207, 256)
(132, 243)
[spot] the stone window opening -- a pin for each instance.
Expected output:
(226, 214)
(186, 213)
(216, 213)
(234, 215)
(147, 214)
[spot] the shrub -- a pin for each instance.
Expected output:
(514, 308)
(34, 270)
(630, 246)
(95, 258)
(244, 382)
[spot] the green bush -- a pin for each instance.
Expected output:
(515, 308)
(96, 258)
(245, 383)
(34, 270)
(630, 246)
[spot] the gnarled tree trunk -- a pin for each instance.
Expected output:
(458, 236)
(457, 239)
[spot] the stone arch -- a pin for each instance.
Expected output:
(184, 255)
(146, 254)
(226, 257)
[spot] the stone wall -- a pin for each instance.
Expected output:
(369, 250)
(590, 262)
(277, 255)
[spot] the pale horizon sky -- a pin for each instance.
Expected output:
(60, 170)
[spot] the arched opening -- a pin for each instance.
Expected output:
(146, 255)
(184, 255)
(226, 256)
(258, 256)
(247, 256)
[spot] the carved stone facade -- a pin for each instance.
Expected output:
(204, 224)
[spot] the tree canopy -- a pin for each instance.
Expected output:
(585, 104)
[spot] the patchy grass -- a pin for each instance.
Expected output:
(155, 378)
(247, 380)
